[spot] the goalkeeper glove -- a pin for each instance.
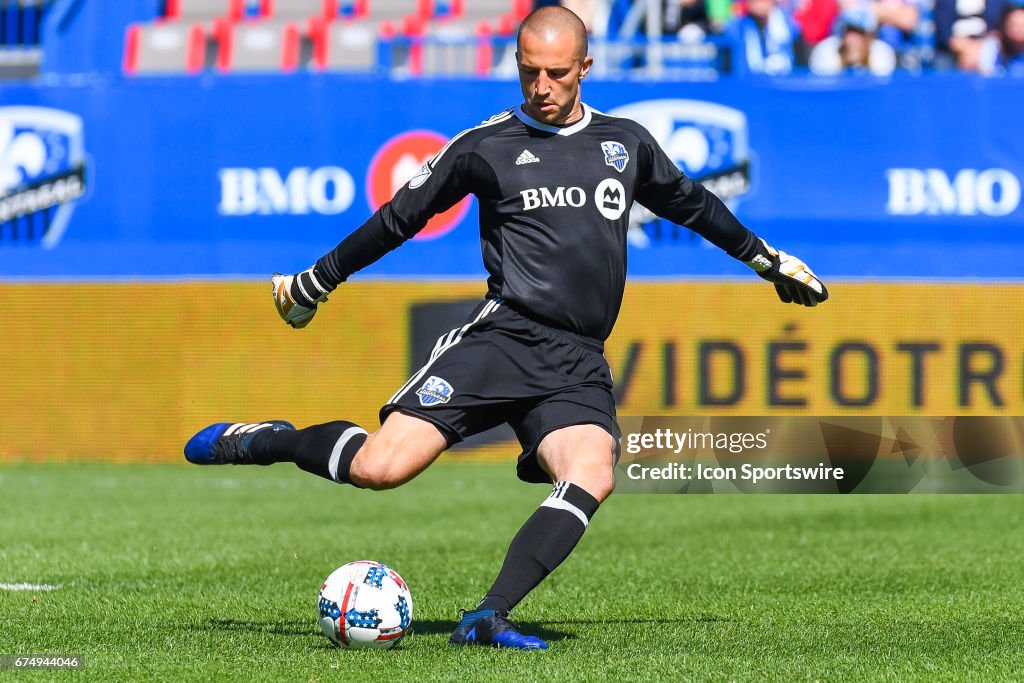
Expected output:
(296, 297)
(794, 281)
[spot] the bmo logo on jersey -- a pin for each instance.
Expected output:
(609, 197)
(545, 197)
(707, 141)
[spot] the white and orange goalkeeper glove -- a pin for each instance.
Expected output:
(296, 297)
(793, 280)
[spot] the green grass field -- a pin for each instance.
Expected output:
(178, 573)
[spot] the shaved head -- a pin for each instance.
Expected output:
(550, 23)
(552, 60)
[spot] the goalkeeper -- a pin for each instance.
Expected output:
(554, 180)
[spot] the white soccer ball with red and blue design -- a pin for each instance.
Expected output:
(365, 604)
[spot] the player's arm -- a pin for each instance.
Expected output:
(452, 174)
(666, 191)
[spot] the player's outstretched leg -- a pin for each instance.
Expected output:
(339, 451)
(326, 450)
(229, 443)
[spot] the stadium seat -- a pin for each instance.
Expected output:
(20, 23)
(392, 10)
(165, 47)
(299, 10)
(697, 61)
(204, 10)
(453, 48)
(20, 37)
(489, 9)
(264, 45)
(343, 45)
(467, 38)
(390, 18)
(368, 34)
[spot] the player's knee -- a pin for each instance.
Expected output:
(594, 473)
(375, 477)
(376, 473)
(584, 455)
(600, 482)
(382, 464)
(378, 479)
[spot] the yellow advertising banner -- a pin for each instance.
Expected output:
(128, 371)
(882, 349)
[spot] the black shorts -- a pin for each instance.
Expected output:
(503, 367)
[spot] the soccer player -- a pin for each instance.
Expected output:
(555, 180)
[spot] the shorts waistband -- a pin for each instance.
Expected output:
(581, 339)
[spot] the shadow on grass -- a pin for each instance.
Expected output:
(277, 628)
(549, 632)
(445, 627)
(426, 627)
(433, 627)
(698, 619)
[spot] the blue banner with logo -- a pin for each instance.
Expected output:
(216, 176)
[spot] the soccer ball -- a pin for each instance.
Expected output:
(365, 604)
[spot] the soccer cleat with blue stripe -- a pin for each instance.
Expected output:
(227, 443)
(492, 628)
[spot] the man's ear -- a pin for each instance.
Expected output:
(588, 61)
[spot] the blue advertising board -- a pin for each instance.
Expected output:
(240, 176)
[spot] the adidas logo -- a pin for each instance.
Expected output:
(527, 158)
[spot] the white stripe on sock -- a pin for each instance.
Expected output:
(559, 504)
(339, 446)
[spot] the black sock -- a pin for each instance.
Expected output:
(325, 450)
(546, 539)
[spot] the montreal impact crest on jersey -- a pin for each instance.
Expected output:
(615, 155)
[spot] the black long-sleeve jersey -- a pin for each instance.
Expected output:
(554, 209)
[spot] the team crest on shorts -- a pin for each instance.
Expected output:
(615, 155)
(435, 391)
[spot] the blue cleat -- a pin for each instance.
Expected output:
(492, 628)
(227, 443)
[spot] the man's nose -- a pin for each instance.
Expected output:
(542, 85)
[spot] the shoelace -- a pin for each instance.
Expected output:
(498, 615)
(230, 450)
(504, 619)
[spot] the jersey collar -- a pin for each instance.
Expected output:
(557, 130)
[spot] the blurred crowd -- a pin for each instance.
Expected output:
(830, 37)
